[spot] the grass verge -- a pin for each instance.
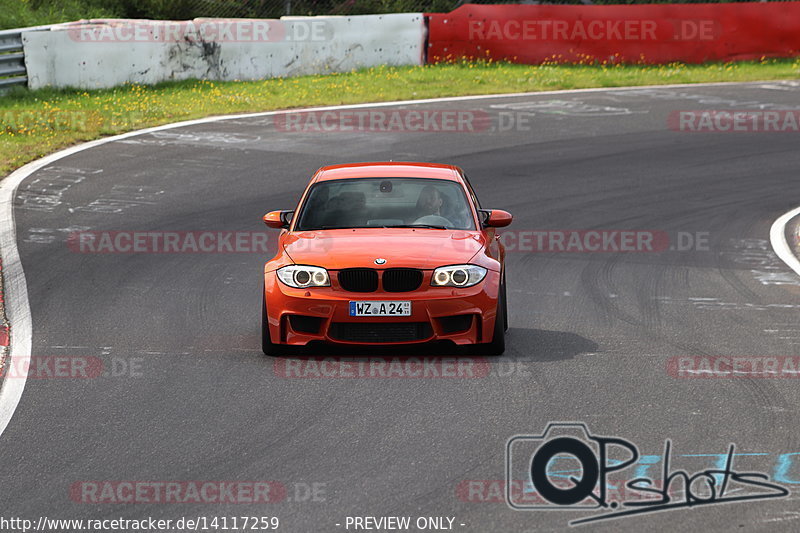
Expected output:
(22, 13)
(35, 123)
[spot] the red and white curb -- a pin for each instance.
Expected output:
(15, 323)
(4, 336)
(777, 236)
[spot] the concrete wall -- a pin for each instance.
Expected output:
(105, 53)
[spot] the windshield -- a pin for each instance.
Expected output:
(386, 203)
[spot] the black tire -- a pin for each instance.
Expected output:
(498, 344)
(267, 346)
(505, 305)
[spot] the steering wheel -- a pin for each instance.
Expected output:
(433, 220)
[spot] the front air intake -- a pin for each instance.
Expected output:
(380, 332)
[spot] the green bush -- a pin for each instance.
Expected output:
(19, 13)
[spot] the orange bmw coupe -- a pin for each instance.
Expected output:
(386, 254)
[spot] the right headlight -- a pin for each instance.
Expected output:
(458, 276)
(302, 276)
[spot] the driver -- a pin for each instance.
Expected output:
(429, 202)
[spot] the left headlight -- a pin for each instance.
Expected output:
(458, 276)
(302, 276)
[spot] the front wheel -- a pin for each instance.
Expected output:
(505, 305)
(267, 346)
(498, 344)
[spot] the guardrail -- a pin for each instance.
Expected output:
(12, 57)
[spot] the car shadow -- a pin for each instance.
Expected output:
(528, 344)
(522, 344)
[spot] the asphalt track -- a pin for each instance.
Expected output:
(590, 333)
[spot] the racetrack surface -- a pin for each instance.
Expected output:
(590, 334)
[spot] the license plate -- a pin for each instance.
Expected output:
(387, 308)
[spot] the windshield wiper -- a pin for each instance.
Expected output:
(335, 227)
(429, 226)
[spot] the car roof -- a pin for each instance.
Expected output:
(389, 169)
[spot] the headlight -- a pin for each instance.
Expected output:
(458, 276)
(301, 276)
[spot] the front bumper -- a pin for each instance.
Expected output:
(463, 316)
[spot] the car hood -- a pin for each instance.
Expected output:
(400, 247)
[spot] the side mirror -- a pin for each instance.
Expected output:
(496, 218)
(278, 219)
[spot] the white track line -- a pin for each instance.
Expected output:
(777, 236)
(18, 310)
(16, 293)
